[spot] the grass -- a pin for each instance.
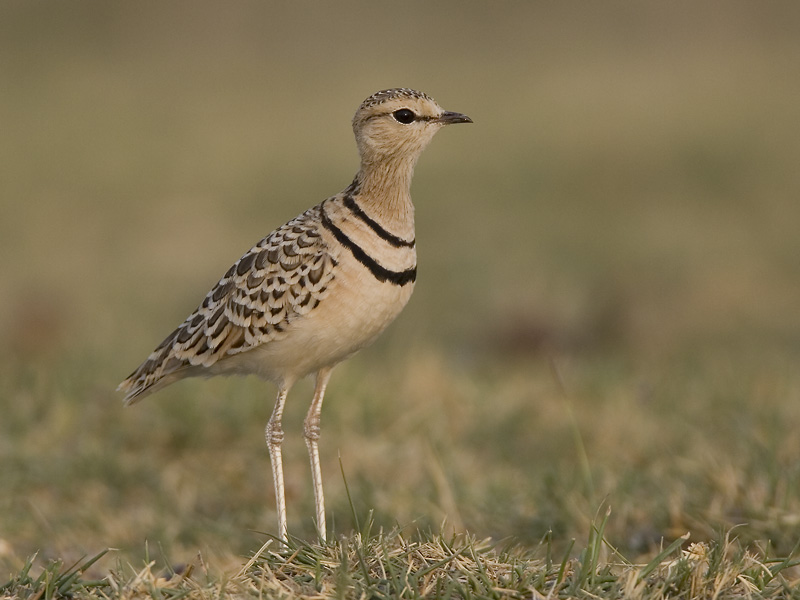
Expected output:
(387, 565)
(605, 318)
(604, 517)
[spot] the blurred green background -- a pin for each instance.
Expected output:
(608, 302)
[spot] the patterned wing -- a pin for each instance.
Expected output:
(285, 276)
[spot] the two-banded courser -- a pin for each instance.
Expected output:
(317, 289)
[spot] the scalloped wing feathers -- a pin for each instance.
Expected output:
(283, 277)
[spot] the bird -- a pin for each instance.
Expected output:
(317, 289)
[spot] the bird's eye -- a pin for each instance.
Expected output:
(404, 116)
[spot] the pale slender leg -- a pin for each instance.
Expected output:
(274, 435)
(311, 431)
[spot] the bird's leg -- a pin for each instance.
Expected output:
(311, 432)
(274, 435)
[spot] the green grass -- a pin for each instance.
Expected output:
(605, 317)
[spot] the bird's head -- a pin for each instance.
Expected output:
(398, 124)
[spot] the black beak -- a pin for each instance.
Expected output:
(448, 118)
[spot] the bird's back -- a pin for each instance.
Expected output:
(257, 301)
(308, 295)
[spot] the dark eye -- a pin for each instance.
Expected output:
(404, 116)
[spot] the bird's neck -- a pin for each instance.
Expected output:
(384, 192)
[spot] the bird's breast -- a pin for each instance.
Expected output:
(353, 314)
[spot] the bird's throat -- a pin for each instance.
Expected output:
(385, 194)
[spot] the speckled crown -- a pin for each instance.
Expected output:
(391, 94)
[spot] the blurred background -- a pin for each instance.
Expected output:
(609, 269)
